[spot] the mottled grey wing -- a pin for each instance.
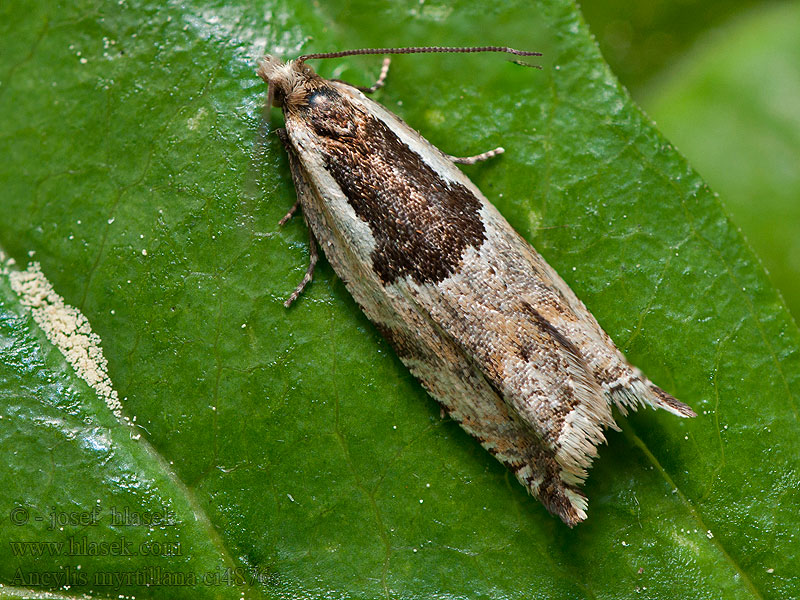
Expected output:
(453, 377)
(473, 311)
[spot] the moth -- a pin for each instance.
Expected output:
(475, 313)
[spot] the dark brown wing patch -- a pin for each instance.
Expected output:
(421, 224)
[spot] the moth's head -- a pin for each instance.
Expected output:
(286, 80)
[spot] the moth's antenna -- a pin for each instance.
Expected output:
(422, 50)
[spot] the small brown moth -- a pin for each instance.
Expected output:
(476, 314)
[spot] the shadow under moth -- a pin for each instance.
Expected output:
(475, 313)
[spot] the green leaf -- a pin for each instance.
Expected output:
(732, 107)
(82, 489)
(639, 41)
(313, 461)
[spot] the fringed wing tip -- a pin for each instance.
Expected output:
(576, 511)
(560, 498)
(568, 503)
(570, 506)
(671, 404)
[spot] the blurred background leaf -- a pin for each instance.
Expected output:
(732, 106)
(642, 40)
(722, 81)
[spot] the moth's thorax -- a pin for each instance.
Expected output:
(291, 82)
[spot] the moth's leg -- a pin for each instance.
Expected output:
(471, 160)
(378, 84)
(284, 137)
(381, 78)
(303, 190)
(289, 214)
(313, 257)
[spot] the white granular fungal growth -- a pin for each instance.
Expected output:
(67, 329)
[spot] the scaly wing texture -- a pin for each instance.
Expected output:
(475, 313)
(554, 365)
(441, 365)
